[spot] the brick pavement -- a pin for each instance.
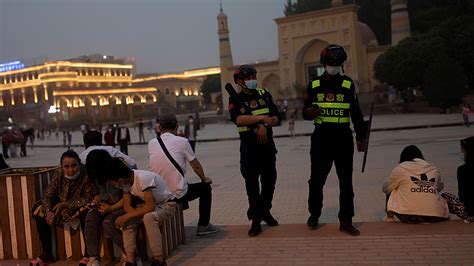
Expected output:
(221, 162)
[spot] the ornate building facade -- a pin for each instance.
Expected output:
(302, 37)
(94, 89)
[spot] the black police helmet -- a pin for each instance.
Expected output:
(333, 55)
(244, 71)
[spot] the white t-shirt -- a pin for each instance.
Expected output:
(158, 162)
(144, 180)
(112, 151)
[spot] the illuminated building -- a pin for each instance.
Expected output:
(92, 89)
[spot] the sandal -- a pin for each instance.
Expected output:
(84, 261)
(38, 262)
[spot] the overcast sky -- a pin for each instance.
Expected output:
(162, 35)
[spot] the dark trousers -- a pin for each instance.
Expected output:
(330, 145)
(202, 191)
(258, 167)
(5, 149)
(94, 221)
(193, 144)
(45, 235)
(123, 146)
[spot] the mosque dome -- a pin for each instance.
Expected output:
(368, 35)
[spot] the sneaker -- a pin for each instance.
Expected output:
(269, 220)
(84, 261)
(255, 229)
(312, 222)
(159, 263)
(207, 230)
(93, 262)
(348, 228)
(389, 219)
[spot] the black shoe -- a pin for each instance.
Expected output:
(348, 228)
(269, 220)
(312, 222)
(127, 263)
(255, 229)
(159, 263)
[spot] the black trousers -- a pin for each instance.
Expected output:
(45, 234)
(123, 146)
(202, 191)
(258, 167)
(328, 146)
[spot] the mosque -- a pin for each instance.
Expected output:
(302, 37)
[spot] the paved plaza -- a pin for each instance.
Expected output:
(292, 243)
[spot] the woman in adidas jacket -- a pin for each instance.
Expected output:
(414, 187)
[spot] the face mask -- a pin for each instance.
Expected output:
(190, 120)
(333, 70)
(461, 155)
(74, 176)
(251, 84)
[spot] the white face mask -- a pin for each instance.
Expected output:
(251, 84)
(74, 176)
(461, 155)
(333, 70)
(191, 120)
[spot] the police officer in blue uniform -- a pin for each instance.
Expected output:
(257, 149)
(331, 102)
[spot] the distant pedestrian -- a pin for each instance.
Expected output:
(141, 135)
(69, 138)
(83, 129)
(150, 126)
(109, 136)
(465, 115)
(64, 138)
(190, 132)
(157, 127)
(123, 138)
(291, 126)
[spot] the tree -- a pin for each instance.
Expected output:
(443, 86)
(211, 84)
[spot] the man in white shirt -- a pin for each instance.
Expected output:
(180, 150)
(155, 194)
(93, 141)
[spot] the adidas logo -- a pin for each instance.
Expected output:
(424, 185)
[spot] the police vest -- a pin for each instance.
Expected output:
(258, 106)
(335, 104)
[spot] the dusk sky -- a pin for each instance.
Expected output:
(162, 35)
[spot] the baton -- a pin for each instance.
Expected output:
(236, 98)
(367, 136)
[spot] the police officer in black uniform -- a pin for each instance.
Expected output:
(331, 102)
(257, 149)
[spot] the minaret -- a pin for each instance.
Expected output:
(400, 21)
(225, 54)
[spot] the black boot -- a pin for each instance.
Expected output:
(312, 222)
(268, 218)
(255, 229)
(348, 228)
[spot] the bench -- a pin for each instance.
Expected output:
(18, 235)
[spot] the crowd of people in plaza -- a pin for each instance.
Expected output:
(102, 188)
